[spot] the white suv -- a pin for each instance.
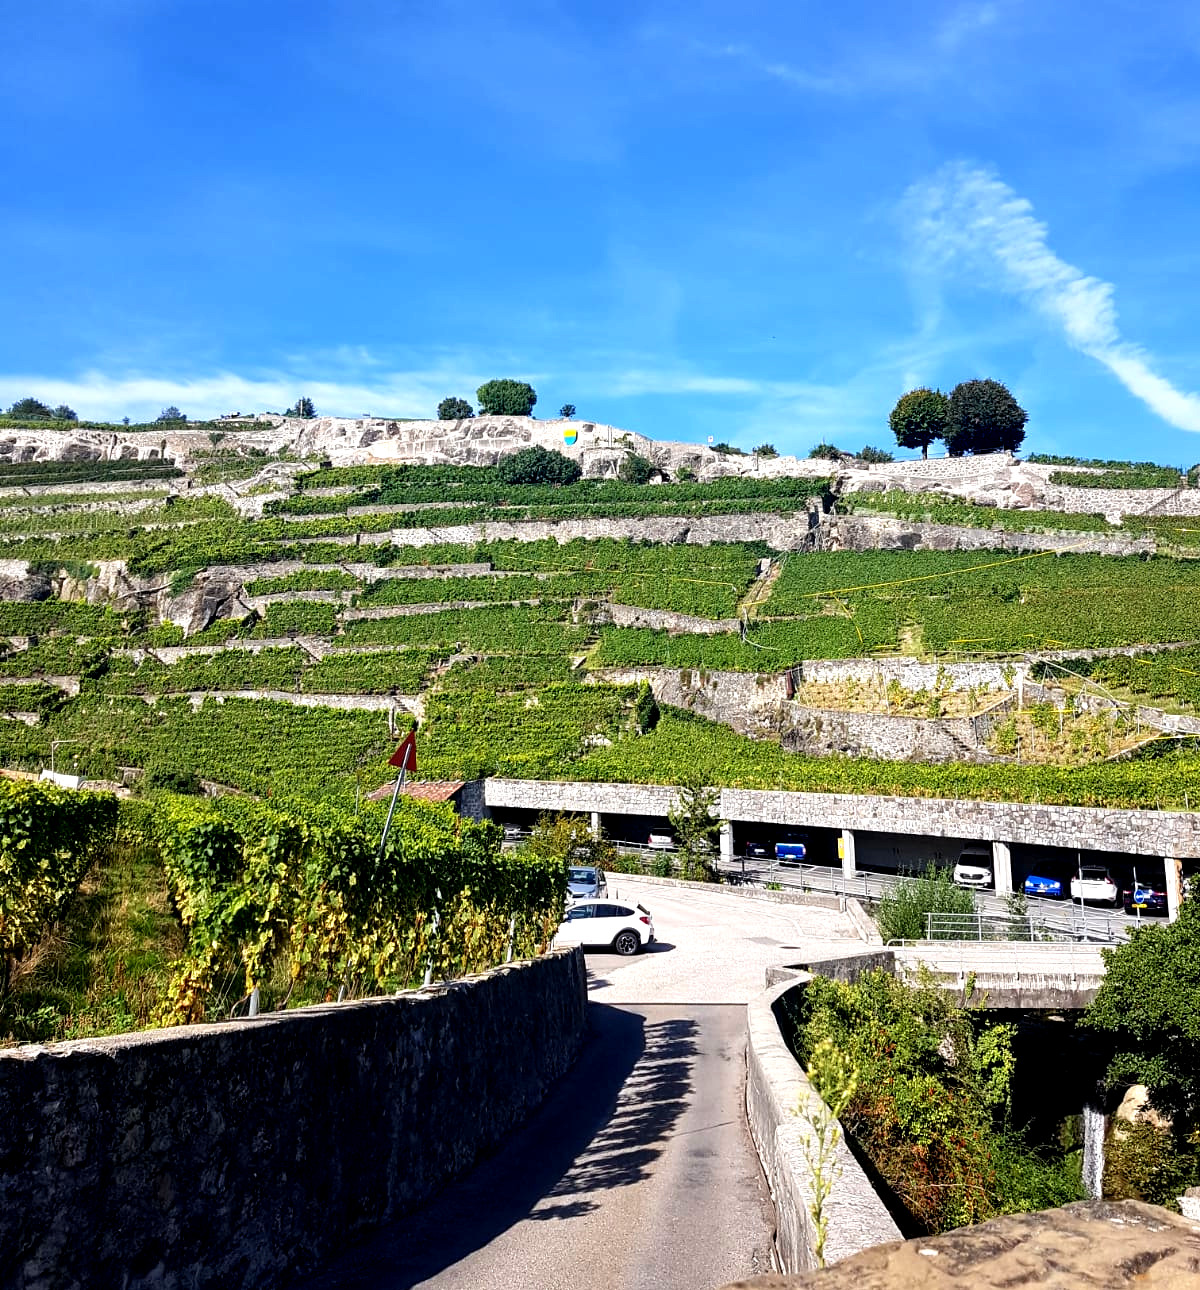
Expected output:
(624, 926)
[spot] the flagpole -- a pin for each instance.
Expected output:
(395, 794)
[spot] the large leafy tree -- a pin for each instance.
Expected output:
(920, 417)
(1148, 1009)
(304, 408)
(505, 399)
(454, 410)
(538, 465)
(171, 414)
(984, 417)
(64, 413)
(30, 410)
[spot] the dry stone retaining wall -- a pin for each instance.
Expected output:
(235, 1154)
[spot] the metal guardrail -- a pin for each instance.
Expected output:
(1030, 929)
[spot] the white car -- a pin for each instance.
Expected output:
(974, 868)
(1095, 883)
(623, 925)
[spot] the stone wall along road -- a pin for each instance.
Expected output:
(227, 1155)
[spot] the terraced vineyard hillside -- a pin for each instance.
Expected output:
(275, 654)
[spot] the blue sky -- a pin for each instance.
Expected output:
(752, 221)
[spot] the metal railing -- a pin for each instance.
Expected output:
(1030, 929)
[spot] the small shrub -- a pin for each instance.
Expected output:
(825, 451)
(901, 913)
(874, 456)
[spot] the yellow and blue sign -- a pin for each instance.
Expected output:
(570, 434)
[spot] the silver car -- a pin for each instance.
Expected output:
(586, 880)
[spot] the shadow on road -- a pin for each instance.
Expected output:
(602, 1127)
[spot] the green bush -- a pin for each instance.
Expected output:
(901, 914)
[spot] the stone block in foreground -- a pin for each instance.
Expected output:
(1091, 1245)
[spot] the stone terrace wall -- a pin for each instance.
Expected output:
(1125, 501)
(229, 1155)
(883, 533)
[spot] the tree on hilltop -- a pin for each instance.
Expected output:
(30, 410)
(454, 410)
(304, 408)
(64, 413)
(983, 417)
(920, 417)
(538, 465)
(505, 399)
(767, 450)
(170, 414)
(567, 411)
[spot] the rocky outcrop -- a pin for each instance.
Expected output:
(1095, 1244)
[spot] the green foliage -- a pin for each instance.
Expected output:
(766, 450)
(1148, 1010)
(568, 840)
(930, 1103)
(874, 456)
(505, 398)
(451, 409)
(728, 449)
(645, 709)
(902, 909)
(695, 827)
(683, 744)
(303, 408)
(567, 411)
(1144, 1161)
(826, 451)
(1141, 475)
(171, 413)
(30, 409)
(48, 838)
(304, 902)
(983, 417)
(635, 469)
(920, 417)
(537, 465)
(64, 413)
(304, 580)
(28, 473)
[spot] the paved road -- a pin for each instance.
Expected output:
(638, 1172)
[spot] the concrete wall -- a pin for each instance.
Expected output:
(228, 1155)
(775, 1088)
(1154, 833)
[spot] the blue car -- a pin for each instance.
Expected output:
(790, 851)
(1050, 888)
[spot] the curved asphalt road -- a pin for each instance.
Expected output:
(638, 1172)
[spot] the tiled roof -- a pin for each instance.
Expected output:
(425, 790)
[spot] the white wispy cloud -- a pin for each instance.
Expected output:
(965, 215)
(101, 397)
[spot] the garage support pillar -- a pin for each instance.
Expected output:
(726, 842)
(1002, 868)
(1174, 877)
(846, 851)
(595, 824)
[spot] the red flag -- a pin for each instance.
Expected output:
(405, 757)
